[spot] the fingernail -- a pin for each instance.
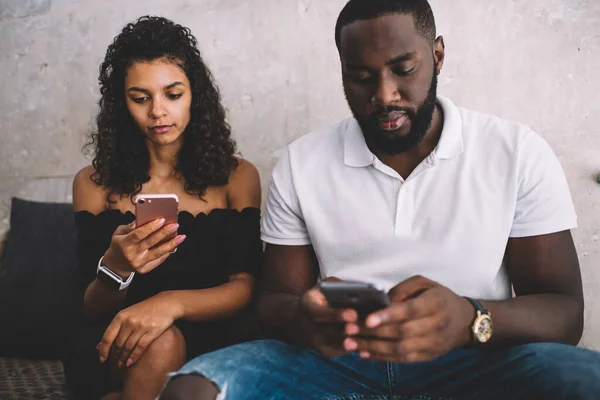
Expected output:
(129, 362)
(102, 359)
(173, 227)
(352, 329)
(180, 239)
(364, 354)
(374, 321)
(350, 344)
(348, 315)
(159, 222)
(120, 364)
(98, 346)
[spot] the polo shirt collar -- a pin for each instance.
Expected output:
(357, 153)
(451, 140)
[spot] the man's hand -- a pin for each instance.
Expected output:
(425, 321)
(323, 325)
(135, 328)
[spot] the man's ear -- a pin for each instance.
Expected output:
(439, 53)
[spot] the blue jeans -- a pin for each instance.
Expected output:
(270, 369)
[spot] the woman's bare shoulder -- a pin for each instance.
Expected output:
(244, 188)
(87, 194)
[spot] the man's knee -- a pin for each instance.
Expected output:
(566, 369)
(190, 387)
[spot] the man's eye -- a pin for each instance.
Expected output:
(404, 72)
(173, 96)
(364, 79)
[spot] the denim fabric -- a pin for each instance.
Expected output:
(270, 369)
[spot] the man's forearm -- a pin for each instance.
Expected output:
(536, 318)
(279, 317)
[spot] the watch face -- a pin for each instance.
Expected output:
(482, 328)
(108, 280)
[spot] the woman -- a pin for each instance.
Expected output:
(161, 129)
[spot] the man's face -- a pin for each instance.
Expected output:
(390, 79)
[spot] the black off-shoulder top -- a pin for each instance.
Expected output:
(218, 244)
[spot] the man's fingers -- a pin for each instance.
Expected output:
(411, 287)
(108, 339)
(396, 331)
(315, 304)
(142, 232)
(390, 350)
(415, 308)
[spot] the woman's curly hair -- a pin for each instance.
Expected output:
(121, 157)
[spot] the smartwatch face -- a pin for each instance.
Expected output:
(105, 277)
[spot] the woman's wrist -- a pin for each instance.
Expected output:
(173, 303)
(108, 263)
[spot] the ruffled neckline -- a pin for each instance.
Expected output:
(129, 214)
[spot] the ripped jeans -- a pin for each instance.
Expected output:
(270, 369)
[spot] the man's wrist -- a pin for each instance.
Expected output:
(469, 316)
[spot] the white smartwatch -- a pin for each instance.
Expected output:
(110, 279)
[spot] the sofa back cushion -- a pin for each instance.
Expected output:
(40, 299)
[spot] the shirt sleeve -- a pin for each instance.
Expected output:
(544, 203)
(283, 223)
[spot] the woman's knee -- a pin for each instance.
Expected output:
(168, 348)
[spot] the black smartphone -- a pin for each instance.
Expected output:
(365, 298)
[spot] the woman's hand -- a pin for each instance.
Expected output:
(132, 248)
(135, 328)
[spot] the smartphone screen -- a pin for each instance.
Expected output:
(361, 296)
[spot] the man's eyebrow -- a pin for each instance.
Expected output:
(401, 58)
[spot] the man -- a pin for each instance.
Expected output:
(447, 209)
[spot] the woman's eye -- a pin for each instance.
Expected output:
(174, 96)
(139, 100)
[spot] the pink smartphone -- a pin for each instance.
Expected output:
(150, 207)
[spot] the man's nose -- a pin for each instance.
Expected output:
(387, 92)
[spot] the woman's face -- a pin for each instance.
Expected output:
(158, 96)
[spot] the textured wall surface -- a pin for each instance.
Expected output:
(275, 60)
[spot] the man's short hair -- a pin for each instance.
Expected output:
(361, 10)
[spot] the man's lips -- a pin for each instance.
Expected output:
(161, 128)
(393, 120)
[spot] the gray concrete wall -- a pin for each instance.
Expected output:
(529, 60)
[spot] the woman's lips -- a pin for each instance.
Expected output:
(161, 129)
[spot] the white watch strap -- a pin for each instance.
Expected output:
(122, 284)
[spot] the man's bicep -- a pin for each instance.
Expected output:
(544, 264)
(290, 269)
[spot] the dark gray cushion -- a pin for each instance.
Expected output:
(40, 299)
(32, 379)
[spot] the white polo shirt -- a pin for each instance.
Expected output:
(487, 180)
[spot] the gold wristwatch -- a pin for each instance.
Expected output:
(482, 327)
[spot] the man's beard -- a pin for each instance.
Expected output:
(390, 143)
